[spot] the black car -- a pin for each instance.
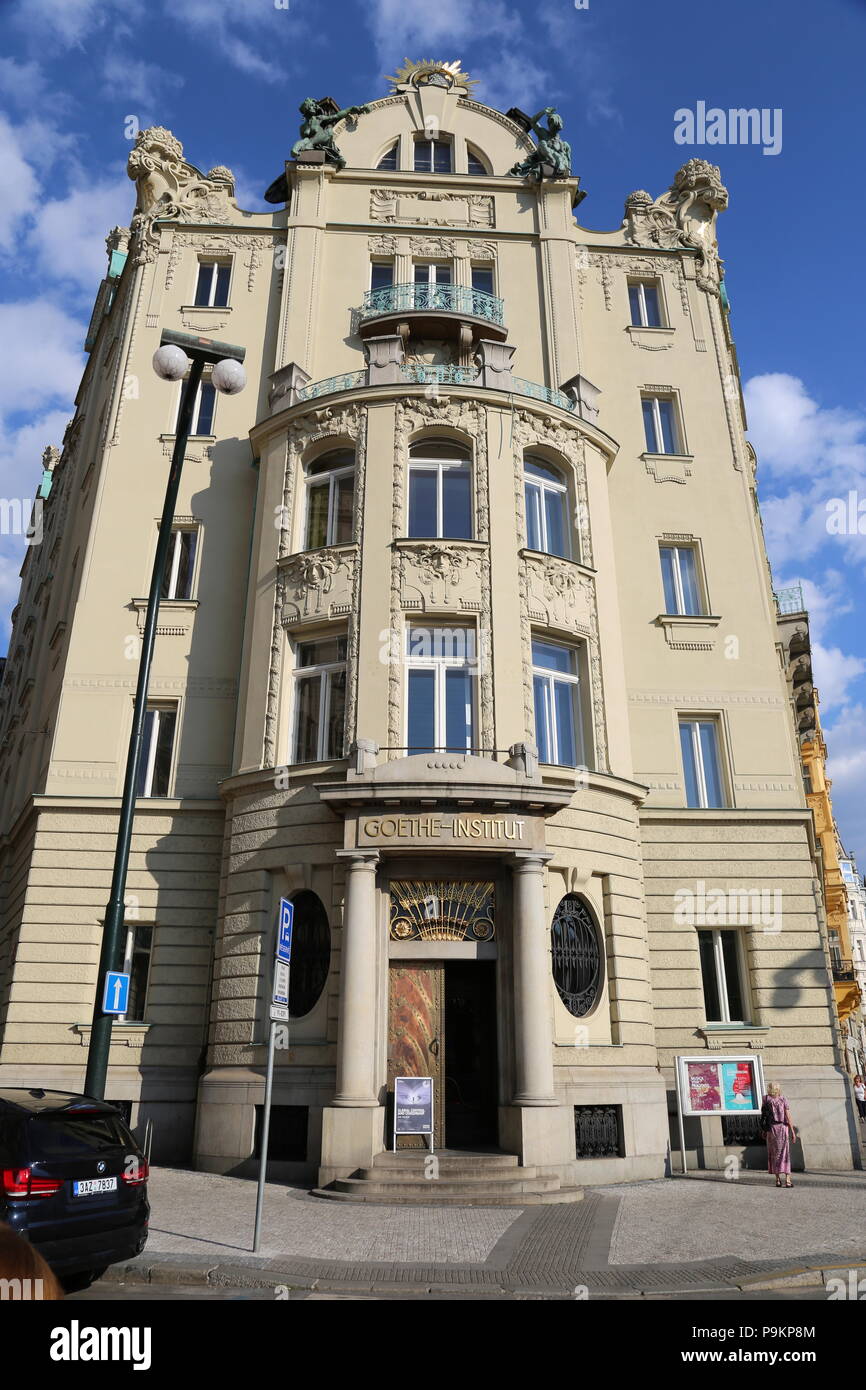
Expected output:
(73, 1181)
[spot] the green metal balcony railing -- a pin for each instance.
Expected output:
(542, 393)
(450, 299)
(349, 381)
(440, 374)
(790, 599)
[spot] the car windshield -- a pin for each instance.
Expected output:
(65, 1135)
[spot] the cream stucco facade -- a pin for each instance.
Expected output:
(535, 350)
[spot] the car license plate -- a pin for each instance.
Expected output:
(86, 1187)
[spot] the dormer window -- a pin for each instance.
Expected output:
(433, 156)
(389, 158)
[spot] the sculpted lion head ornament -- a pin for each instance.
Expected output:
(684, 216)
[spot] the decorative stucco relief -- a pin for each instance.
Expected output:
(168, 188)
(684, 216)
(558, 594)
(441, 574)
(318, 584)
(432, 208)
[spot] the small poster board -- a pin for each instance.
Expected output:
(726, 1085)
(413, 1106)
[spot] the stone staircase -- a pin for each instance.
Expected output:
(462, 1180)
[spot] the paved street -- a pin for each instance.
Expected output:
(694, 1236)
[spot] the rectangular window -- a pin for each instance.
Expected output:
(660, 425)
(136, 964)
(433, 156)
(643, 298)
(722, 976)
(330, 508)
(320, 700)
(680, 579)
(381, 275)
(212, 289)
(440, 689)
(203, 409)
(433, 273)
(154, 770)
(440, 499)
(482, 279)
(699, 741)
(556, 686)
(177, 580)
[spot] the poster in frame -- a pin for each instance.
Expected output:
(728, 1084)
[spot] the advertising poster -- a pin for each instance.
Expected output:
(739, 1091)
(704, 1087)
(413, 1105)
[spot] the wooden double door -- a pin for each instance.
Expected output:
(442, 1023)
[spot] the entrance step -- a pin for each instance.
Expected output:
(468, 1179)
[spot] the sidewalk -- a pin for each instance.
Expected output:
(697, 1234)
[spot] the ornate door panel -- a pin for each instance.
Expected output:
(416, 1043)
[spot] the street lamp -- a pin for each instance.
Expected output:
(179, 355)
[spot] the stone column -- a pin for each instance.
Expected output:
(532, 1018)
(356, 1044)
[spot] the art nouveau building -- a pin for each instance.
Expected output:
(468, 647)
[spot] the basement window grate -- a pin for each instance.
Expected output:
(598, 1131)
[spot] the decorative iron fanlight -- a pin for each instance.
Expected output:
(576, 953)
(438, 911)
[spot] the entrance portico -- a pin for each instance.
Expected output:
(445, 915)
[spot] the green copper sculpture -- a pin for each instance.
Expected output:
(552, 150)
(317, 129)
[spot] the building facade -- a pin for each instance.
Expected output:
(468, 647)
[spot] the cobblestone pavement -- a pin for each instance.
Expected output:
(693, 1236)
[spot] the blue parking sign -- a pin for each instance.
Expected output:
(115, 997)
(284, 931)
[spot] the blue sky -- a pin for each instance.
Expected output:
(227, 78)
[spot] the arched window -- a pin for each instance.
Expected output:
(311, 953)
(475, 163)
(389, 158)
(575, 945)
(330, 483)
(546, 495)
(440, 490)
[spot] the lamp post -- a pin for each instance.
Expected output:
(179, 355)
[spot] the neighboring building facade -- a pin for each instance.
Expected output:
(478, 668)
(856, 894)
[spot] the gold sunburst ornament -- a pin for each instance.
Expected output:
(429, 73)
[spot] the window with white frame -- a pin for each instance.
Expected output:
(681, 580)
(389, 158)
(433, 156)
(320, 700)
(546, 495)
(203, 408)
(723, 976)
(440, 491)
(178, 576)
(660, 425)
(558, 716)
(330, 488)
(702, 767)
(212, 287)
(441, 672)
(644, 297)
(381, 275)
(154, 769)
(137, 952)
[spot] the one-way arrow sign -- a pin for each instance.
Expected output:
(116, 995)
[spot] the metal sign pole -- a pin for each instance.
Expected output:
(266, 1126)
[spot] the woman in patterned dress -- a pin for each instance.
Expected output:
(779, 1134)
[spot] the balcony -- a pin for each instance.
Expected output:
(843, 970)
(435, 311)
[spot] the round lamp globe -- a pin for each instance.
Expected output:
(229, 377)
(170, 362)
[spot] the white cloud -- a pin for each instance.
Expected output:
(19, 186)
(846, 765)
(43, 360)
(247, 32)
(137, 80)
(25, 84)
(61, 23)
(69, 233)
(834, 673)
(793, 433)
